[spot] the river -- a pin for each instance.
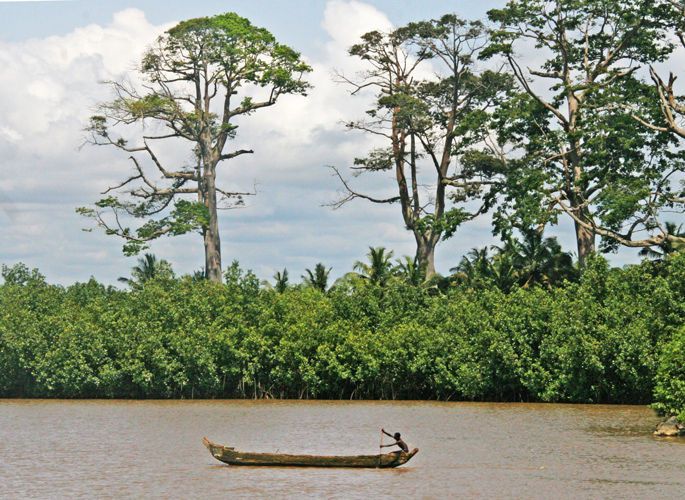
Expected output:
(153, 449)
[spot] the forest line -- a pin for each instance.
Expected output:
(612, 336)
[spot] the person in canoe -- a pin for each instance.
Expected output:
(398, 441)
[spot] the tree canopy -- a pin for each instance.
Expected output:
(431, 127)
(576, 149)
(197, 79)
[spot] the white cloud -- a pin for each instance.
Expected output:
(50, 82)
(301, 122)
(346, 22)
(9, 134)
(50, 87)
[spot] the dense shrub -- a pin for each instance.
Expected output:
(670, 378)
(616, 335)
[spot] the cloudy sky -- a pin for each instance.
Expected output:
(53, 56)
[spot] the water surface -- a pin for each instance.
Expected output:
(135, 449)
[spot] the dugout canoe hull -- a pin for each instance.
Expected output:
(232, 456)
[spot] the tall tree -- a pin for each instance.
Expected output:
(580, 152)
(199, 77)
(430, 110)
(672, 120)
(672, 105)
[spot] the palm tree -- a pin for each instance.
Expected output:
(667, 247)
(318, 278)
(409, 270)
(281, 279)
(475, 267)
(148, 267)
(505, 264)
(542, 261)
(533, 260)
(559, 265)
(379, 269)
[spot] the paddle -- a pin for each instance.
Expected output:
(380, 449)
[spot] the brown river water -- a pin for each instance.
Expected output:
(153, 449)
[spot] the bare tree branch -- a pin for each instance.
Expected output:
(235, 153)
(352, 194)
(623, 239)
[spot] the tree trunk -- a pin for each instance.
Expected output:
(425, 255)
(585, 239)
(211, 234)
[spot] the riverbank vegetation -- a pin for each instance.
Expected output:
(547, 110)
(609, 336)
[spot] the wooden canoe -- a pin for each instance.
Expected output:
(231, 456)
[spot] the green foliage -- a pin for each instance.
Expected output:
(184, 217)
(243, 52)
(379, 268)
(446, 224)
(408, 270)
(572, 118)
(616, 336)
(318, 278)
(666, 247)
(19, 274)
(669, 390)
(148, 267)
(534, 260)
(149, 106)
(281, 281)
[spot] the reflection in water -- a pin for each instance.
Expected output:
(139, 449)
